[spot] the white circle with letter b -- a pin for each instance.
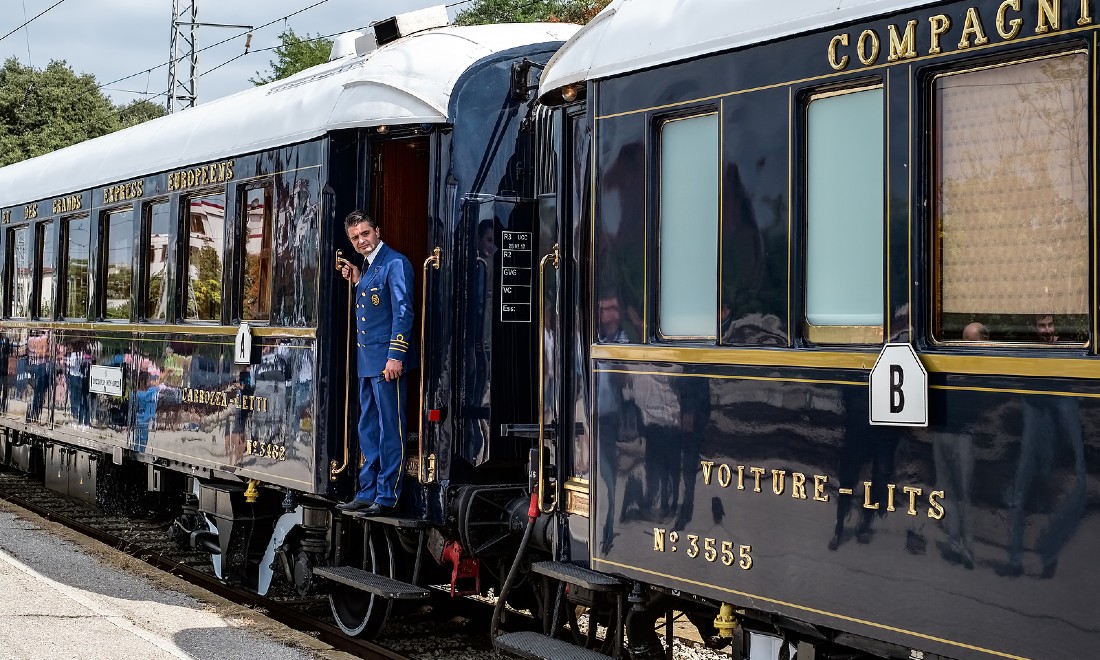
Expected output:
(898, 388)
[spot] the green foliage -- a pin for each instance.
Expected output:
(42, 110)
(204, 300)
(530, 11)
(139, 111)
(294, 54)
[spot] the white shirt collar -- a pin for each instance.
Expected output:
(373, 254)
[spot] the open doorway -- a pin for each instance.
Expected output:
(399, 200)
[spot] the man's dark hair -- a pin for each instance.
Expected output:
(358, 217)
(482, 227)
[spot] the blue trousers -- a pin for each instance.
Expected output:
(381, 438)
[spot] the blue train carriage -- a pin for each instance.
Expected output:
(826, 306)
(173, 323)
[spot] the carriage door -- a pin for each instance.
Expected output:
(564, 285)
(399, 198)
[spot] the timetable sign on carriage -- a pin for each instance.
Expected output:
(515, 276)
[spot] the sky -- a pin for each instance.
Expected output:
(112, 39)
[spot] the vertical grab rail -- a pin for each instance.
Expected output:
(543, 481)
(434, 261)
(333, 469)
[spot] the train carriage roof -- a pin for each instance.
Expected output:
(629, 35)
(406, 81)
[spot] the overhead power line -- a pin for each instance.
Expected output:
(25, 24)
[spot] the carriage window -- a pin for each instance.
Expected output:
(19, 272)
(688, 294)
(157, 234)
(1012, 202)
(74, 241)
(844, 217)
(257, 237)
(48, 263)
(205, 257)
(118, 263)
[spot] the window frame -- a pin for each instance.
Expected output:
(934, 233)
(243, 189)
(841, 335)
(104, 262)
(184, 247)
(63, 266)
(658, 124)
(40, 230)
(145, 246)
(10, 274)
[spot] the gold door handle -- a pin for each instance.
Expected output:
(434, 261)
(545, 505)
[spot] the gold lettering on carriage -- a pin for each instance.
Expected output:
(814, 488)
(1011, 20)
(67, 204)
(205, 175)
(703, 548)
(224, 399)
(123, 191)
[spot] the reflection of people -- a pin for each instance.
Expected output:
(38, 348)
(384, 322)
(1047, 420)
(610, 411)
(862, 444)
(481, 326)
(76, 372)
(953, 453)
(238, 423)
(694, 416)
(145, 404)
(304, 246)
(727, 319)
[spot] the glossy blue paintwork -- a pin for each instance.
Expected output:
(1006, 569)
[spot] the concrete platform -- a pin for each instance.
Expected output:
(62, 596)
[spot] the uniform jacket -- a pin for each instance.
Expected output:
(384, 313)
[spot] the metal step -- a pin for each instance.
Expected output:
(534, 645)
(582, 577)
(369, 582)
(393, 521)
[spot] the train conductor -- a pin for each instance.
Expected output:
(383, 309)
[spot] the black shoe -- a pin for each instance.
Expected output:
(376, 509)
(355, 505)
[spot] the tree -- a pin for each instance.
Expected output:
(139, 111)
(294, 54)
(48, 109)
(529, 11)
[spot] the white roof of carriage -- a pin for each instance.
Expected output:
(406, 81)
(630, 35)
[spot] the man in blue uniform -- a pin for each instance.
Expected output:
(383, 311)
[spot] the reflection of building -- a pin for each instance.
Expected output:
(207, 226)
(21, 289)
(206, 245)
(158, 274)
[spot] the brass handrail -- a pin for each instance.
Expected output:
(543, 482)
(434, 261)
(333, 469)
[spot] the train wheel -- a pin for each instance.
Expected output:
(359, 613)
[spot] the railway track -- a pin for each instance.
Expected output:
(419, 634)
